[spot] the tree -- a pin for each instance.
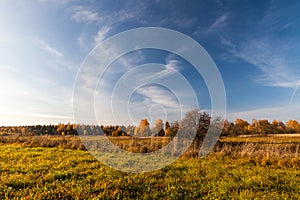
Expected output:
(264, 127)
(143, 129)
(250, 129)
(293, 126)
(61, 128)
(242, 126)
(194, 126)
(130, 130)
(159, 128)
(198, 121)
(254, 126)
(167, 129)
(278, 126)
(68, 128)
(229, 129)
(174, 128)
(136, 131)
(226, 126)
(23, 131)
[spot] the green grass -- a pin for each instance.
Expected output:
(53, 173)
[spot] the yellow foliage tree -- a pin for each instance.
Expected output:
(293, 126)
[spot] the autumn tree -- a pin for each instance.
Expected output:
(143, 129)
(229, 129)
(278, 126)
(167, 129)
(117, 132)
(242, 126)
(263, 127)
(159, 128)
(293, 126)
(61, 128)
(174, 128)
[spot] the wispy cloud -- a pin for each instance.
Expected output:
(101, 34)
(294, 92)
(171, 67)
(47, 48)
(271, 61)
(32, 119)
(158, 95)
(283, 113)
(127, 11)
(35, 100)
(148, 81)
(157, 102)
(264, 48)
(89, 15)
(57, 2)
(273, 19)
(219, 22)
(84, 14)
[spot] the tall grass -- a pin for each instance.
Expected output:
(258, 149)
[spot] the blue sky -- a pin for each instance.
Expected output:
(255, 45)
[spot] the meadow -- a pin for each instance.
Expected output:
(237, 169)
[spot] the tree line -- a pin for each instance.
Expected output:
(192, 118)
(108, 130)
(263, 127)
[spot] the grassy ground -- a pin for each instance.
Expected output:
(283, 138)
(55, 173)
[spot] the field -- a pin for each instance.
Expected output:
(237, 169)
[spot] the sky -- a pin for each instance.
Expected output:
(45, 43)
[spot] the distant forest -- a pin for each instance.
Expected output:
(238, 127)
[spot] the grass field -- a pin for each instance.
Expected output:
(58, 173)
(275, 138)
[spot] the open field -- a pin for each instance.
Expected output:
(38, 173)
(235, 170)
(274, 138)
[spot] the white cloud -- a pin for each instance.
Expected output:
(39, 97)
(283, 113)
(57, 2)
(101, 34)
(219, 22)
(47, 48)
(271, 61)
(85, 42)
(84, 14)
(157, 102)
(158, 95)
(32, 119)
(116, 89)
(173, 64)
(171, 67)
(90, 15)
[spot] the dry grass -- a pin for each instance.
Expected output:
(260, 148)
(64, 142)
(284, 138)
